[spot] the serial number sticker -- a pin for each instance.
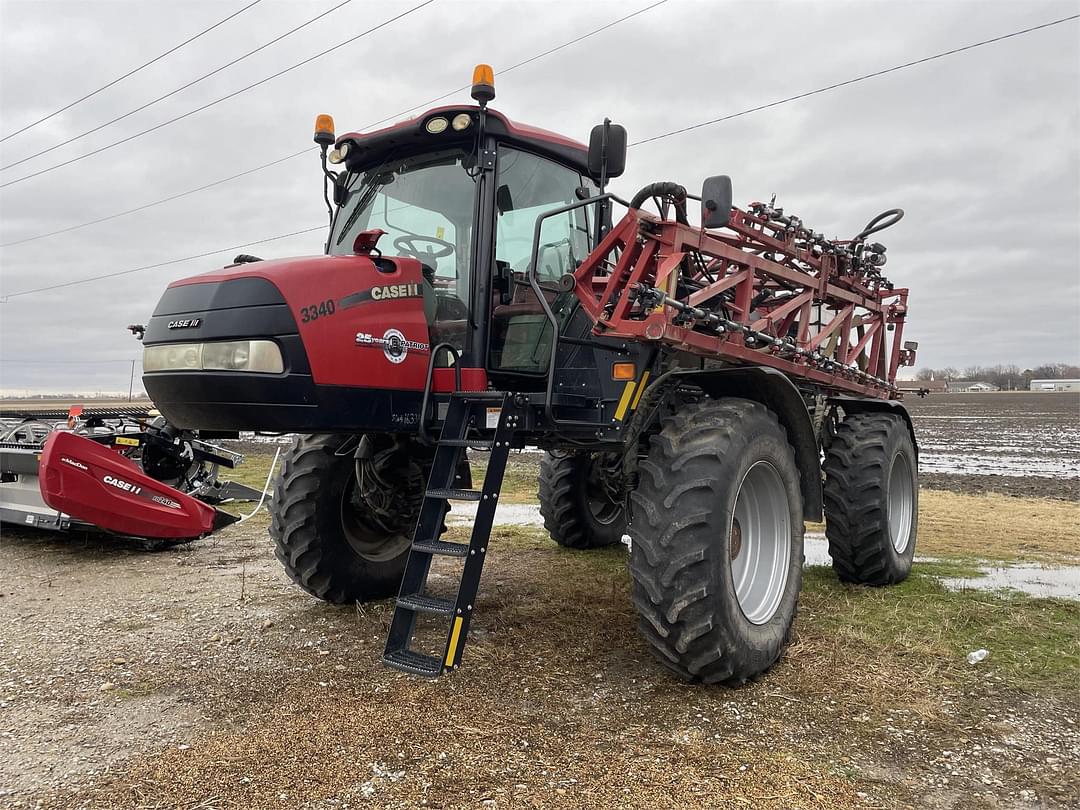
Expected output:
(493, 417)
(127, 442)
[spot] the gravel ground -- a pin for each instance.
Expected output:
(200, 678)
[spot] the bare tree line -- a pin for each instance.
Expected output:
(1005, 377)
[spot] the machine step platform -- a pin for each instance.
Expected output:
(464, 428)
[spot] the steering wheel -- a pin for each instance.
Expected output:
(406, 246)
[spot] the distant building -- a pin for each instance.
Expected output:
(918, 386)
(971, 387)
(1055, 385)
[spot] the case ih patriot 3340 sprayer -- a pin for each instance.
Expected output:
(477, 293)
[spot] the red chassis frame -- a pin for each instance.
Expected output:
(849, 352)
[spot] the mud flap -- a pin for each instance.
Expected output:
(93, 483)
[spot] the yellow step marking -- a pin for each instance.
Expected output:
(454, 637)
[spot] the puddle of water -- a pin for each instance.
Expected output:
(1061, 582)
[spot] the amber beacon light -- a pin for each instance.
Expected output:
(483, 84)
(324, 130)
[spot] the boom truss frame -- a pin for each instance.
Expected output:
(757, 292)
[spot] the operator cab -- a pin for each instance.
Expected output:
(459, 188)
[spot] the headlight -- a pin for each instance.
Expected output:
(461, 121)
(436, 125)
(259, 356)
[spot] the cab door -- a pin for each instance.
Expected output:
(526, 186)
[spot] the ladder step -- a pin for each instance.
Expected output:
(442, 547)
(426, 604)
(455, 494)
(474, 444)
(414, 663)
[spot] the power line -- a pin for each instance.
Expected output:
(311, 149)
(635, 143)
(208, 105)
(88, 279)
(182, 87)
(522, 63)
(864, 77)
(130, 72)
(163, 200)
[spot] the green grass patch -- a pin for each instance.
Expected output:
(1034, 644)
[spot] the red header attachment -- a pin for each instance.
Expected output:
(94, 483)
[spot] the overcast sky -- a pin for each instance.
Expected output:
(982, 149)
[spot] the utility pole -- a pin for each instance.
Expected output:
(131, 382)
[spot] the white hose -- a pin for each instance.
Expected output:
(266, 488)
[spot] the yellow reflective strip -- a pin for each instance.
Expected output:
(451, 650)
(624, 403)
(640, 391)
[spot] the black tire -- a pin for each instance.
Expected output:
(320, 535)
(684, 534)
(577, 512)
(870, 468)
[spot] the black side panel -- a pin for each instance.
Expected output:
(239, 292)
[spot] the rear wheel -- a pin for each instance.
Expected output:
(344, 534)
(580, 500)
(717, 541)
(872, 499)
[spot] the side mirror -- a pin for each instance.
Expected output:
(607, 150)
(716, 201)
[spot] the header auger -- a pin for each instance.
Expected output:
(685, 381)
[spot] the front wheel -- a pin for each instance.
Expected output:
(717, 541)
(341, 538)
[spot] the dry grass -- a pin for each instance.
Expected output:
(997, 527)
(559, 704)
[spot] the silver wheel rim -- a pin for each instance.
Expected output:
(760, 542)
(901, 503)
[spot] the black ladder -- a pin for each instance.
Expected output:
(466, 417)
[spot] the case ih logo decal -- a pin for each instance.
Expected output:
(186, 323)
(394, 345)
(74, 463)
(134, 489)
(387, 292)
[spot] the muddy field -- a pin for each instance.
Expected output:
(1017, 443)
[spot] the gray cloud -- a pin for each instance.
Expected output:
(981, 148)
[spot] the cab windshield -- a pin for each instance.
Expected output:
(425, 205)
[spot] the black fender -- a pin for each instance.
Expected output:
(776, 392)
(859, 405)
